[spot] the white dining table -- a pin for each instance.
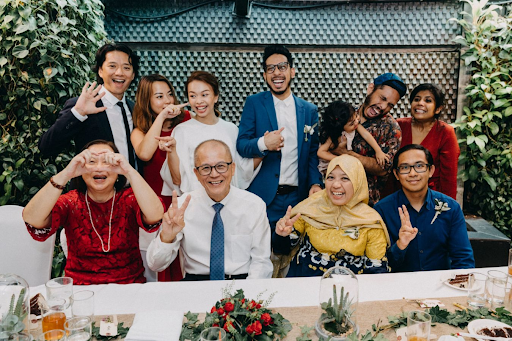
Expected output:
(288, 292)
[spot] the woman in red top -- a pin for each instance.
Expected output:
(157, 111)
(101, 217)
(425, 128)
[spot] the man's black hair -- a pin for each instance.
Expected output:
(428, 155)
(276, 49)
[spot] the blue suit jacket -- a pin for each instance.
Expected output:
(259, 116)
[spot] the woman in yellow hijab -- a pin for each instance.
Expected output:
(334, 226)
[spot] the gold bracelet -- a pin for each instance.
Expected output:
(56, 185)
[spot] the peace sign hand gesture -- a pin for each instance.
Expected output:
(173, 220)
(285, 225)
(406, 232)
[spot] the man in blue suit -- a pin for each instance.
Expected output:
(283, 130)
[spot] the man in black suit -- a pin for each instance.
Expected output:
(101, 112)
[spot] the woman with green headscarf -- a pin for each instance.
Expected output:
(333, 227)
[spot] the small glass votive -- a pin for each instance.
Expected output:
(54, 335)
(495, 287)
(78, 328)
(213, 333)
(510, 262)
(418, 326)
(83, 303)
(501, 295)
(476, 290)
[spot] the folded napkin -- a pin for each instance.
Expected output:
(158, 325)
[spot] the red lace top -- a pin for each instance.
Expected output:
(86, 262)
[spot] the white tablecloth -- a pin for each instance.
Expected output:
(290, 292)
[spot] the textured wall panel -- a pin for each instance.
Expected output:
(321, 77)
(354, 24)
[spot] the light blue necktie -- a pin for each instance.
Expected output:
(217, 246)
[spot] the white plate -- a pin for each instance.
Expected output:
(476, 325)
(447, 282)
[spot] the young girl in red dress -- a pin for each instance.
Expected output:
(157, 111)
(101, 217)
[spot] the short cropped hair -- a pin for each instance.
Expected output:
(219, 142)
(276, 49)
(101, 55)
(428, 155)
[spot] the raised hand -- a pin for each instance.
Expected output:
(285, 225)
(173, 220)
(274, 140)
(172, 110)
(86, 103)
(166, 143)
(406, 232)
(117, 162)
(78, 165)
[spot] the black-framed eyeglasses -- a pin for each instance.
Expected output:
(221, 167)
(283, 66)
(419, 167)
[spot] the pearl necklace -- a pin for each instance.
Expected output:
(109, 222)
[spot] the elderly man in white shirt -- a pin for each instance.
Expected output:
(222, 231)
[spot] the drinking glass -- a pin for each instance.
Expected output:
(501, 293)
(83, 303)
(53, 315)
(54, 335)
(495, 287)
(60, 287)
(20, 337)
(476, 290)
(78, 328)
(213, 333)
(510, 262)
(418, 326)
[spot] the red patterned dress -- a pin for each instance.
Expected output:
(86, 262)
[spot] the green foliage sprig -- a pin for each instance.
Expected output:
(485, 126)
(46, 49)
(121, 332)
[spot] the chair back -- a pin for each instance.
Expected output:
(19, 253)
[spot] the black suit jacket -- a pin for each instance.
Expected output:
(67, 127)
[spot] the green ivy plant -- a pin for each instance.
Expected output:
(485, 127)
(46, 49)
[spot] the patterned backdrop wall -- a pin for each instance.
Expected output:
(338, 49)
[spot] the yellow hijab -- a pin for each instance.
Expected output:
(319, 211)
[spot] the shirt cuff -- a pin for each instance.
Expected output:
(161, 246)
(77, 115)
(397, 254)
(261, 144)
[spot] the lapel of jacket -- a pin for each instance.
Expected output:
(301, 121)
(268, 102)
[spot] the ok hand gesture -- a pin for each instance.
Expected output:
(86, 103)
(173, 220)
(406, 232)
(285, 225)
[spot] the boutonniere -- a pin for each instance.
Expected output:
(440, 208)
(352, 232)
(309, 130)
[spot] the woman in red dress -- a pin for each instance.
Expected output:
(101, 217)
(156, 113)
(425, 128)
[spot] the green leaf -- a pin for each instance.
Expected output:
(19, 162)
(37, 105)
(508, 111)
(20, 51)
(495, 129)
(500, 102)
(491, 182)
(21, 28)
(480, 142)
(18, 183)
(3, 61)
(473, 172)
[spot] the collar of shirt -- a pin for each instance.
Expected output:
(427, 205)
(287, 101)
(109, 100)
(212, 202)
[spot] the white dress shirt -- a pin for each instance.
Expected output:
(115, 118)
(246, 236)
(287, 118)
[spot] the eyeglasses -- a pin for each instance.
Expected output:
(283, 66)
(419, 168)
(221, 167)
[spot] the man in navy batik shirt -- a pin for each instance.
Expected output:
(427, 228)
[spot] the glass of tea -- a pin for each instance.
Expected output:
(53, 335)
(510, 262)
(418, 326)
(54, 315)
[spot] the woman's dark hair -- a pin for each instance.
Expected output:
(143, 115)
(434, 90)
(208, 78)
(428, 155)
(276, 49)
(101, 55)
(79, 184)
(334, 118)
